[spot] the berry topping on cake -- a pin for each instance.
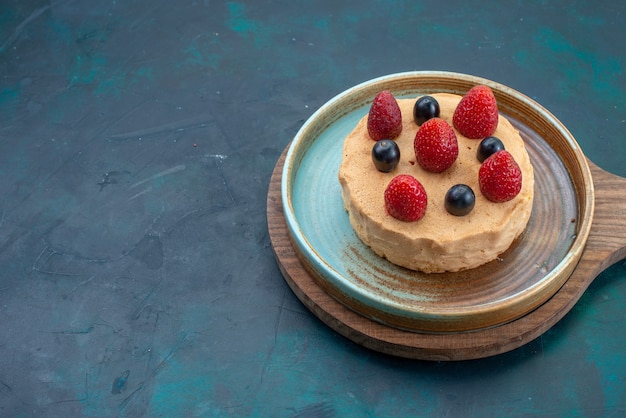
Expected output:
(386, 155)
(459, 228)
(405, 198)
(436, 146)
(476, 115)
(488, 146)
(500, 177)
(426, 107)
(460, 200)
(385, 119)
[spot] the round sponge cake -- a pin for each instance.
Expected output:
(438, 242)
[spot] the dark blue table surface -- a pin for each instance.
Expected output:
(137, 140)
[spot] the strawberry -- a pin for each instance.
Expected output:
(435, 145)
(384, 120)
(476, 115)
(499, 177)
(405, 198)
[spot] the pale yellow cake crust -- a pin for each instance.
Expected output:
(440, 241)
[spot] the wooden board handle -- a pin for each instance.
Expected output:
(607, 240)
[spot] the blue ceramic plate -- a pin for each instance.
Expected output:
(531, 271)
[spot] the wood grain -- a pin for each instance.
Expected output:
(606, 245)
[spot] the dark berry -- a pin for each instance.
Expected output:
(459, 200)
(488, 146)
(426, 107)
(386, 155)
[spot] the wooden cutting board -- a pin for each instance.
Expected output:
(606, 245)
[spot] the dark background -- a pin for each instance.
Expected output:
(137, 140)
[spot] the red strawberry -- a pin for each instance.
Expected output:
(405, 198)
(385, 119)
(476, 115)
(499, 177)
(435, 145)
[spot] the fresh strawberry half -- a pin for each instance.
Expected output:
(476, 115)
(384, 120)
(405, 198)
(436, 147)
(500, 177)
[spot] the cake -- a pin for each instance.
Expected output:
(439, 241)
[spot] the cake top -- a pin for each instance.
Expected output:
(369, 184)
